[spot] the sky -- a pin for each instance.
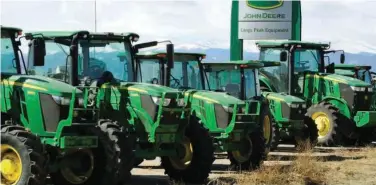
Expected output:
(347, 24)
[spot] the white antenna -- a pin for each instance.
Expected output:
(95, 15)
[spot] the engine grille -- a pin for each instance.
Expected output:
(52, 112)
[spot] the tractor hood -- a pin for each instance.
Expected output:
(214, 97)
(283, 97)
(150, 89)
(343, 79)
(40, 84)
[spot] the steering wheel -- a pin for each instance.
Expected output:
(154, 81)
(176, 83)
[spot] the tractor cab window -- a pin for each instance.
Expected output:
(56, 62)
(149, 71)
(304, 60)
(278, 75)
(8, 59)
(228, 79)
(97, 56)
(364, 75)
(186, 72)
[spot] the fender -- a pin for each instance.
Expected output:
(265, 82)
(340, 104)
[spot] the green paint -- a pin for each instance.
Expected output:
(145, 111)
(204, 103)
(265, 5)
(341, 91)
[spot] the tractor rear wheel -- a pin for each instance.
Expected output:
(109, 163)
(197, 149)
(271, 130)
(333, 127)
(22, 160)
(252, 159)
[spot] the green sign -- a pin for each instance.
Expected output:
(265, 5)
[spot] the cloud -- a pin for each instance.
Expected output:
(202, 24)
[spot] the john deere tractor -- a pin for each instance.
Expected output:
(155, 118)
(46, 129)
(291, 126)
(235, 125)
(339, 105)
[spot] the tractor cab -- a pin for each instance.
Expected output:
(361, 72)
(10, 59)
(76, 57)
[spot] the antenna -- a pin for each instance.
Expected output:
(95, 15)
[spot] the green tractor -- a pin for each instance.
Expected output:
(292, 127)
(153, 117)
(236, 126)
(46, 129)
(361, 72)
(339, 105)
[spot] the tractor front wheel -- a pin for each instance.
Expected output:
(328, 121)
(195, 156)
(270, 129)
(109, 163)
(22, 161)
(253, 158)
(307, 138)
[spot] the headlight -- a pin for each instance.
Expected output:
(181, 102)
(304, 106)
(228, 109)
(157, 100)
(294, 105)
(370, 89)
(61, 100)
(359, 89)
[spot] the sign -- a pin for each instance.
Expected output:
(261, 20)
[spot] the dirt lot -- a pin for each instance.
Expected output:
(330, 166)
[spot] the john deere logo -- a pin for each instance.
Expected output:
(265, 5)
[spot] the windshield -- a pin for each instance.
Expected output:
(278, 75)
(229, 80)
(54, 62)
(98, 56)
(365, 76)
(306, 60)
(149, 71)
(186, 72)
(8, 59)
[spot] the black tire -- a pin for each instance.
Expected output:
(341, 130)
(274, 136)
(199, 168)
(257, 156)
(137, 162)
(308, 134)
(31, 152)
(112, 158)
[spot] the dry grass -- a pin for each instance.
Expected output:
(348, 168)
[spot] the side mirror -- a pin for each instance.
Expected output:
(39, 51)
(283, 56)
(145, 45)
(342, 58)
(170, 55)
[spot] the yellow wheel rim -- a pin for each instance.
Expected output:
(182, 163)
(267, 128)
(322, 122)
(73, 178)
(11, 165)
(243, 156)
